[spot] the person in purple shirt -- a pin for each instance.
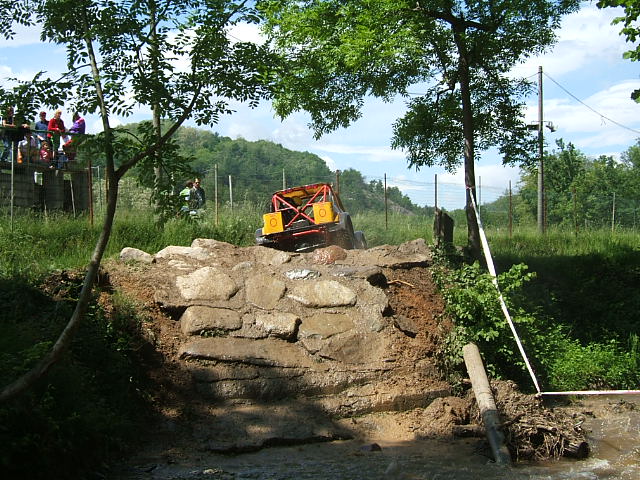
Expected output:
(78, 124)
(78, 128)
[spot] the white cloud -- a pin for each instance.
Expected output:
(24, 36)
(249, 130)
(372, 153)
(246, 32)
(585, 37)
(331, 164)
(607, 118)
(292, 134)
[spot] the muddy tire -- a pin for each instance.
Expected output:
(359, 241)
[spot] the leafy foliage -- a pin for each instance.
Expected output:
(580, 191)
(91, 402)
(566, 355)
(459, 53)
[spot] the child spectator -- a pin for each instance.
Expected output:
(46, 154)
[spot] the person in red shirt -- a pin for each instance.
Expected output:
(56, 128)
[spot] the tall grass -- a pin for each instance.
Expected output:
(394, 229)
(34, 244)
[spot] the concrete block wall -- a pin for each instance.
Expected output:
(60, 189)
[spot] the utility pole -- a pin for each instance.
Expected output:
(541, 156)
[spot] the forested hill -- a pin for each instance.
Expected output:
(257, 168)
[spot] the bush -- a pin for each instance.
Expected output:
(89, 404)
(595, 367)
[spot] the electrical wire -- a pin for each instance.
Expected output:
(590, 108)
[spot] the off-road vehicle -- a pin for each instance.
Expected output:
(301, 219)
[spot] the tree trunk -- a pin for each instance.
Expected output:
(157, 128)
(63, 342)
(473, 232)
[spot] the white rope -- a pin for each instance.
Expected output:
(505, 310)
(594, 392)
(503, 305)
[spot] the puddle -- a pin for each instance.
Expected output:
(614, 442)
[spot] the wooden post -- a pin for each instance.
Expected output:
(435, 192)
(486, 403)
(510, 212)
(386, 208)
(90, 192)
(215, 190)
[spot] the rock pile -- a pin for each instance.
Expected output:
(283, 338)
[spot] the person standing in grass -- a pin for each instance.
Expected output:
(197, 193)
(185, 197)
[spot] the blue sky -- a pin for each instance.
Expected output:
(586, 63)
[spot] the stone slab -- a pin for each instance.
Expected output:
(271, 353)
(197, 319)
(206, 283)
(323, 293)
(264, 291)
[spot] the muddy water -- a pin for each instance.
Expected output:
(614, 441)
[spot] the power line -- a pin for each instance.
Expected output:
(592, 109)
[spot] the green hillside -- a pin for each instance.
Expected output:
(259, 168)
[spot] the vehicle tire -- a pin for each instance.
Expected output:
(360, 242)
(345, 236)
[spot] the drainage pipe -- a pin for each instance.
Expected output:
(486, 403)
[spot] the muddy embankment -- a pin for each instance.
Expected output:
(262, 348)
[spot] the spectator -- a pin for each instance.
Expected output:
(78, 124)
(9, 133)
(46, 154)
(42, 125)
(78, 128)
(56, 128)
(197, 195)
(185, 196)
(28, 148)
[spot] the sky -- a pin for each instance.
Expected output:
(586, 93)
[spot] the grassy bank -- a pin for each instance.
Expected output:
(574, 300)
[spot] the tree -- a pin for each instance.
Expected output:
(630, 29)
(123, 53)
(458, 52)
